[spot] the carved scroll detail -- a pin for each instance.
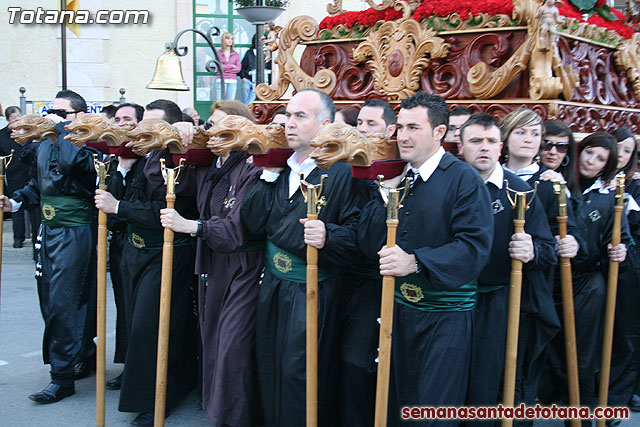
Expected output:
(628, 58)
(335, 8)
(301, 28)
(397, 54)
(540, 51)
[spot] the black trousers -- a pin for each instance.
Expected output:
(116, 247)
(67, 293)
(281, 351)
(431, 353)
(360, 337)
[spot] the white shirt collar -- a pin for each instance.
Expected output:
(426, 170)
(303, 168)
(525, 173)
(598, 185)
(497, 177)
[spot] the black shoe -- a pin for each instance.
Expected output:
(84, 368)
(17, 244)
(143, 419)
(634, 403)
(53, 393)
(613, 423)
(114, 383)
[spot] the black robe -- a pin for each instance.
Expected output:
(228, 296)
(141, 275)
(68, 257)
(267, 211)
(446, 222)
(491, 312)
(589, 292)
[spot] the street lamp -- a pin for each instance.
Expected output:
(168, 73)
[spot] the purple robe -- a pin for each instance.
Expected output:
(228, 298)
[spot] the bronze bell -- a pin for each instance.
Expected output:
(168, 74)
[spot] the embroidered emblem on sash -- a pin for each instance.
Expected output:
(48, 211)
(230, 201)
(282, 262)
(137, 241)
(595, 215)
(497, 206)
(411, 292)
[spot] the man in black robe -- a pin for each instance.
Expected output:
(139, 206)
(124, 114)
(275, 208)
(63, 188)
(443, 241)
(481, 147)
(363, 291)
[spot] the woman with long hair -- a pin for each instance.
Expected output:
(626, 338)
(230, 65)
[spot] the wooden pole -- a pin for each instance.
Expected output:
(311, 195)
(170, 176)
(513, 322)
(610, 308)
(567, 306)
(101, 311)
(386, 319)
(4, 162)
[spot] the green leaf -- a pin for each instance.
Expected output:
(584, 4)
(605, 12)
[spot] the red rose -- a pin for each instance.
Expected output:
(601, 3)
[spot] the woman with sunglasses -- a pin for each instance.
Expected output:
(559, 154)
(626, 339)
(229, 268)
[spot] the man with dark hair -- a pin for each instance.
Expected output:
(275, 208)
(458, 116)
(445, 223)
(108, 111)
(128, 113)
(481, 146)
(137, 206)
(377, 116)
(63, 188)
(363, 289)
(163, 109)
(125, 114)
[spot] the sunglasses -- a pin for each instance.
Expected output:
(61, 113)
(561, 147)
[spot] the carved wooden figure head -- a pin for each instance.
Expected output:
(377, 147)
(237, 133)
(334, 143)
(31, 127)
(92, 127)
(152, 134)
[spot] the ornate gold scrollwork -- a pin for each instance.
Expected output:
(628, 58)
(397, 54)
(301, 28)
(335, 8)
(539, 50)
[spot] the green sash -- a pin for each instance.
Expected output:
(65, 211)
(288, 266)
(368, 272)
(414, 291)
(145, 238)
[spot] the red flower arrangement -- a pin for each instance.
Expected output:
(444, 8)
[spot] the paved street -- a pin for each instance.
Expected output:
(22, 371)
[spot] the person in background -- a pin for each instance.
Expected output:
(348, 115)
(457, 117)
(108, 112)
(194, 115)
(248, 72)
(280, 117)
(230, 65)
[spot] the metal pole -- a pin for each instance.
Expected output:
(259, 54)
(122, 98)
(63, 41)
(23, 101)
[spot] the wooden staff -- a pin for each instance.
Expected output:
(170, 179)
(101, 170)
(515, 295)
(560, 188)
(312, 195)
(4, 163)
(393, 203)
(610, 311)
